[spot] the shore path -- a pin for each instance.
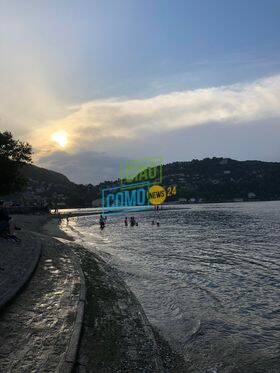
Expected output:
(35, 328)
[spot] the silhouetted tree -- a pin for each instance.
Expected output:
(13, 154)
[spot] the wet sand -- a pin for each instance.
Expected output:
(116, 334)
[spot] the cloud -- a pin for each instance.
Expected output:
(83, 167)
(117, 118)
(112, 125)
(178, 125)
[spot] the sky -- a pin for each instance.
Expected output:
(92, 82)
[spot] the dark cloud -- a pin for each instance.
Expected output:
(83, 167)
(253, 140)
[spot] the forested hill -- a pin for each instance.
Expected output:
(53, 188)
(42, 174)
(224, 179)
(207, 180)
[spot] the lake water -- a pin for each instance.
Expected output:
(208, 277)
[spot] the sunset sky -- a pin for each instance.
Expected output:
(89, 83)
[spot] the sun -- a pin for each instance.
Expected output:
(61, 138)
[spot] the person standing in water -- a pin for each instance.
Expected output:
(132, 221)
(102, 222)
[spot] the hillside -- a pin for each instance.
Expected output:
(221, 180)
(224, 179)
(52, 188)
(43, 175)
(207, 180)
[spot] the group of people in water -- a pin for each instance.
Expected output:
(131, 221)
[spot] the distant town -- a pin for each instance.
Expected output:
(197, 181)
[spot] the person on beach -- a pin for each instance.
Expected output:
(153, 222)
(7, 226)
(126, 221)
(4, 219)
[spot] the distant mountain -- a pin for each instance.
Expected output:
(207, 180)
(44, 175)
(52, 188)
(224, 179)
(221, 180)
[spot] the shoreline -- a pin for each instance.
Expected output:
(116, 329)
(42, 318)
(116, 335)
(82, 211)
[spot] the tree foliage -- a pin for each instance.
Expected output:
(13, 154)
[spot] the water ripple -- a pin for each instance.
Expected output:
(208, 278)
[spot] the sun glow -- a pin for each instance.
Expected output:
(61, 138)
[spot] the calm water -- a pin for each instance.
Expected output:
(208, 278)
